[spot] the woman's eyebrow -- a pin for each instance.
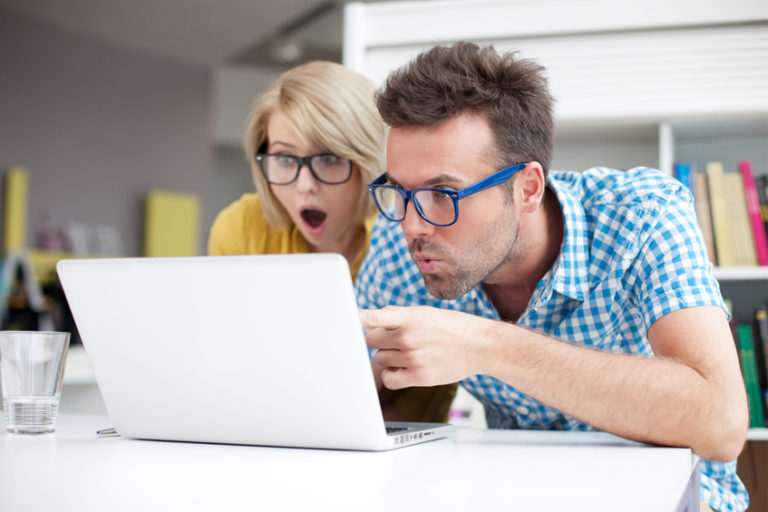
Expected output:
(280, 143)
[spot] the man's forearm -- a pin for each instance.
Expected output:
(653, 400)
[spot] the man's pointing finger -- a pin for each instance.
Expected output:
(387, 318)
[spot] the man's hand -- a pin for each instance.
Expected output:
(424, 346)
(690, 394)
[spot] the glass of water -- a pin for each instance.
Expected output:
(31, 370)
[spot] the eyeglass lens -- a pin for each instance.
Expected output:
(436, 206)
(328, 168)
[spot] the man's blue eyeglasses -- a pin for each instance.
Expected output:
(438, 206)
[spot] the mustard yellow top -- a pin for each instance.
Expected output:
(241, 228)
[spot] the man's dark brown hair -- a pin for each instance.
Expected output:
(446, 81)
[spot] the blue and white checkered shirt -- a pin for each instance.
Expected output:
(632, 253)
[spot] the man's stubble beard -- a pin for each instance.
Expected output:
(476, 266)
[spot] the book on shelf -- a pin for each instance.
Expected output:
(742, 241)
(684, 172)
(753, 210)
(719, 208)
(761, 351)
(703, 214)
(749, 370)
(16, 194)
(761, 184)
(733, 233)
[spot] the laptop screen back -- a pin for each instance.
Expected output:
(232, 349)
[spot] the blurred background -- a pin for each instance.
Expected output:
(104, 101)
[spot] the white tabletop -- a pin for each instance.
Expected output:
(73, 469)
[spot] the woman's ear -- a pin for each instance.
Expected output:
(530, 185)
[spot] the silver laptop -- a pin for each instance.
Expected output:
(261, 350)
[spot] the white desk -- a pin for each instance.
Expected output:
(73, 470)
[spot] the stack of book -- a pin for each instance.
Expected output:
(732, 209)
(752, 346)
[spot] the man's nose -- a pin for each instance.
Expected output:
(414, 225)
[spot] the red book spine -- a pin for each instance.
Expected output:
(753, 208)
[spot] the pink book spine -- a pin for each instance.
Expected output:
(753, 208)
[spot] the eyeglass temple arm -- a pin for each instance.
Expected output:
(381, 180)
(491, 181)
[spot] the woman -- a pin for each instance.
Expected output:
(314, 140)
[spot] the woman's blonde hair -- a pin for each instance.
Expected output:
(329, 107)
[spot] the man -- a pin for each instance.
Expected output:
(560, 300)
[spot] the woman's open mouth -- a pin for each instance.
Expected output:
(314, 219)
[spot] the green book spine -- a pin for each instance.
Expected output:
(749, 369)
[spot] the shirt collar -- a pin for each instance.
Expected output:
(569, 275)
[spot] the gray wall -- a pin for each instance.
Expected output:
(233, 176)
(98, 125)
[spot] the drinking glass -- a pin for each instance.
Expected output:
(31, 370)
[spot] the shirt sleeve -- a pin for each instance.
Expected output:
(673, 269)
(368, 281)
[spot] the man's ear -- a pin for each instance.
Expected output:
(530, 185)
